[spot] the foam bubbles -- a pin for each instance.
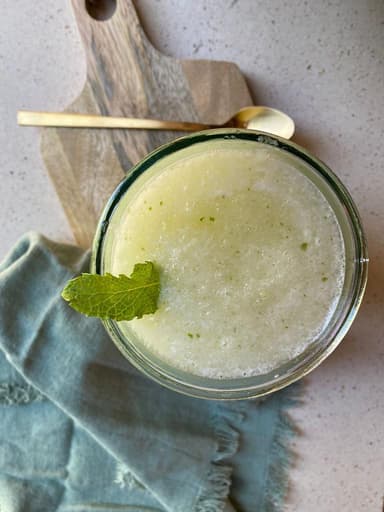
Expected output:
(243, 263)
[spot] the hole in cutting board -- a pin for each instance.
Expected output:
(101, 10)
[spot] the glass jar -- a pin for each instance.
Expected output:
(356, 268)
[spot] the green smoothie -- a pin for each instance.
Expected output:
(250, 252)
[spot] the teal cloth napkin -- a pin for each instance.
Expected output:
(82, 430)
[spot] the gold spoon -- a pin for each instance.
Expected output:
(264, 119)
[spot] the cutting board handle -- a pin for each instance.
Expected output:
(124, 18)
(118, 54)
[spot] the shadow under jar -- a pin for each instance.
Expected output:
(262, 258)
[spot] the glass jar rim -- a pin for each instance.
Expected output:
(223, 388)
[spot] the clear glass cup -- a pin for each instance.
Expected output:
(356, 271)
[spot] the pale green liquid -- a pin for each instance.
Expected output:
(251, 258)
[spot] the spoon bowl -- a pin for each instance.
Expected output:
(263, 119)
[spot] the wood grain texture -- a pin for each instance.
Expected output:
(126, 76)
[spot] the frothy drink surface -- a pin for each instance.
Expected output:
(251, 257)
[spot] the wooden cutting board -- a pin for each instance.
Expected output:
(127, 76)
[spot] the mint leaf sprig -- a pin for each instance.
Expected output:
(116, 297)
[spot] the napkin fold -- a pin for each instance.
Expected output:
(82, 430)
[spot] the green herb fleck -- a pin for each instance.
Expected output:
(161, 203)
(150, 208)
(197, 335)
(189, 334)
(324, 279)
(115, 297)
(304, 246)
(212, 219)
(201, 219)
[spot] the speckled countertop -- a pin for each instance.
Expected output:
(320, 61)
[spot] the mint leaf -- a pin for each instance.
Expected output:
(115, 297)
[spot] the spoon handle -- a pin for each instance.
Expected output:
(74, 120)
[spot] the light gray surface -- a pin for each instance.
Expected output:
(320, 61)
